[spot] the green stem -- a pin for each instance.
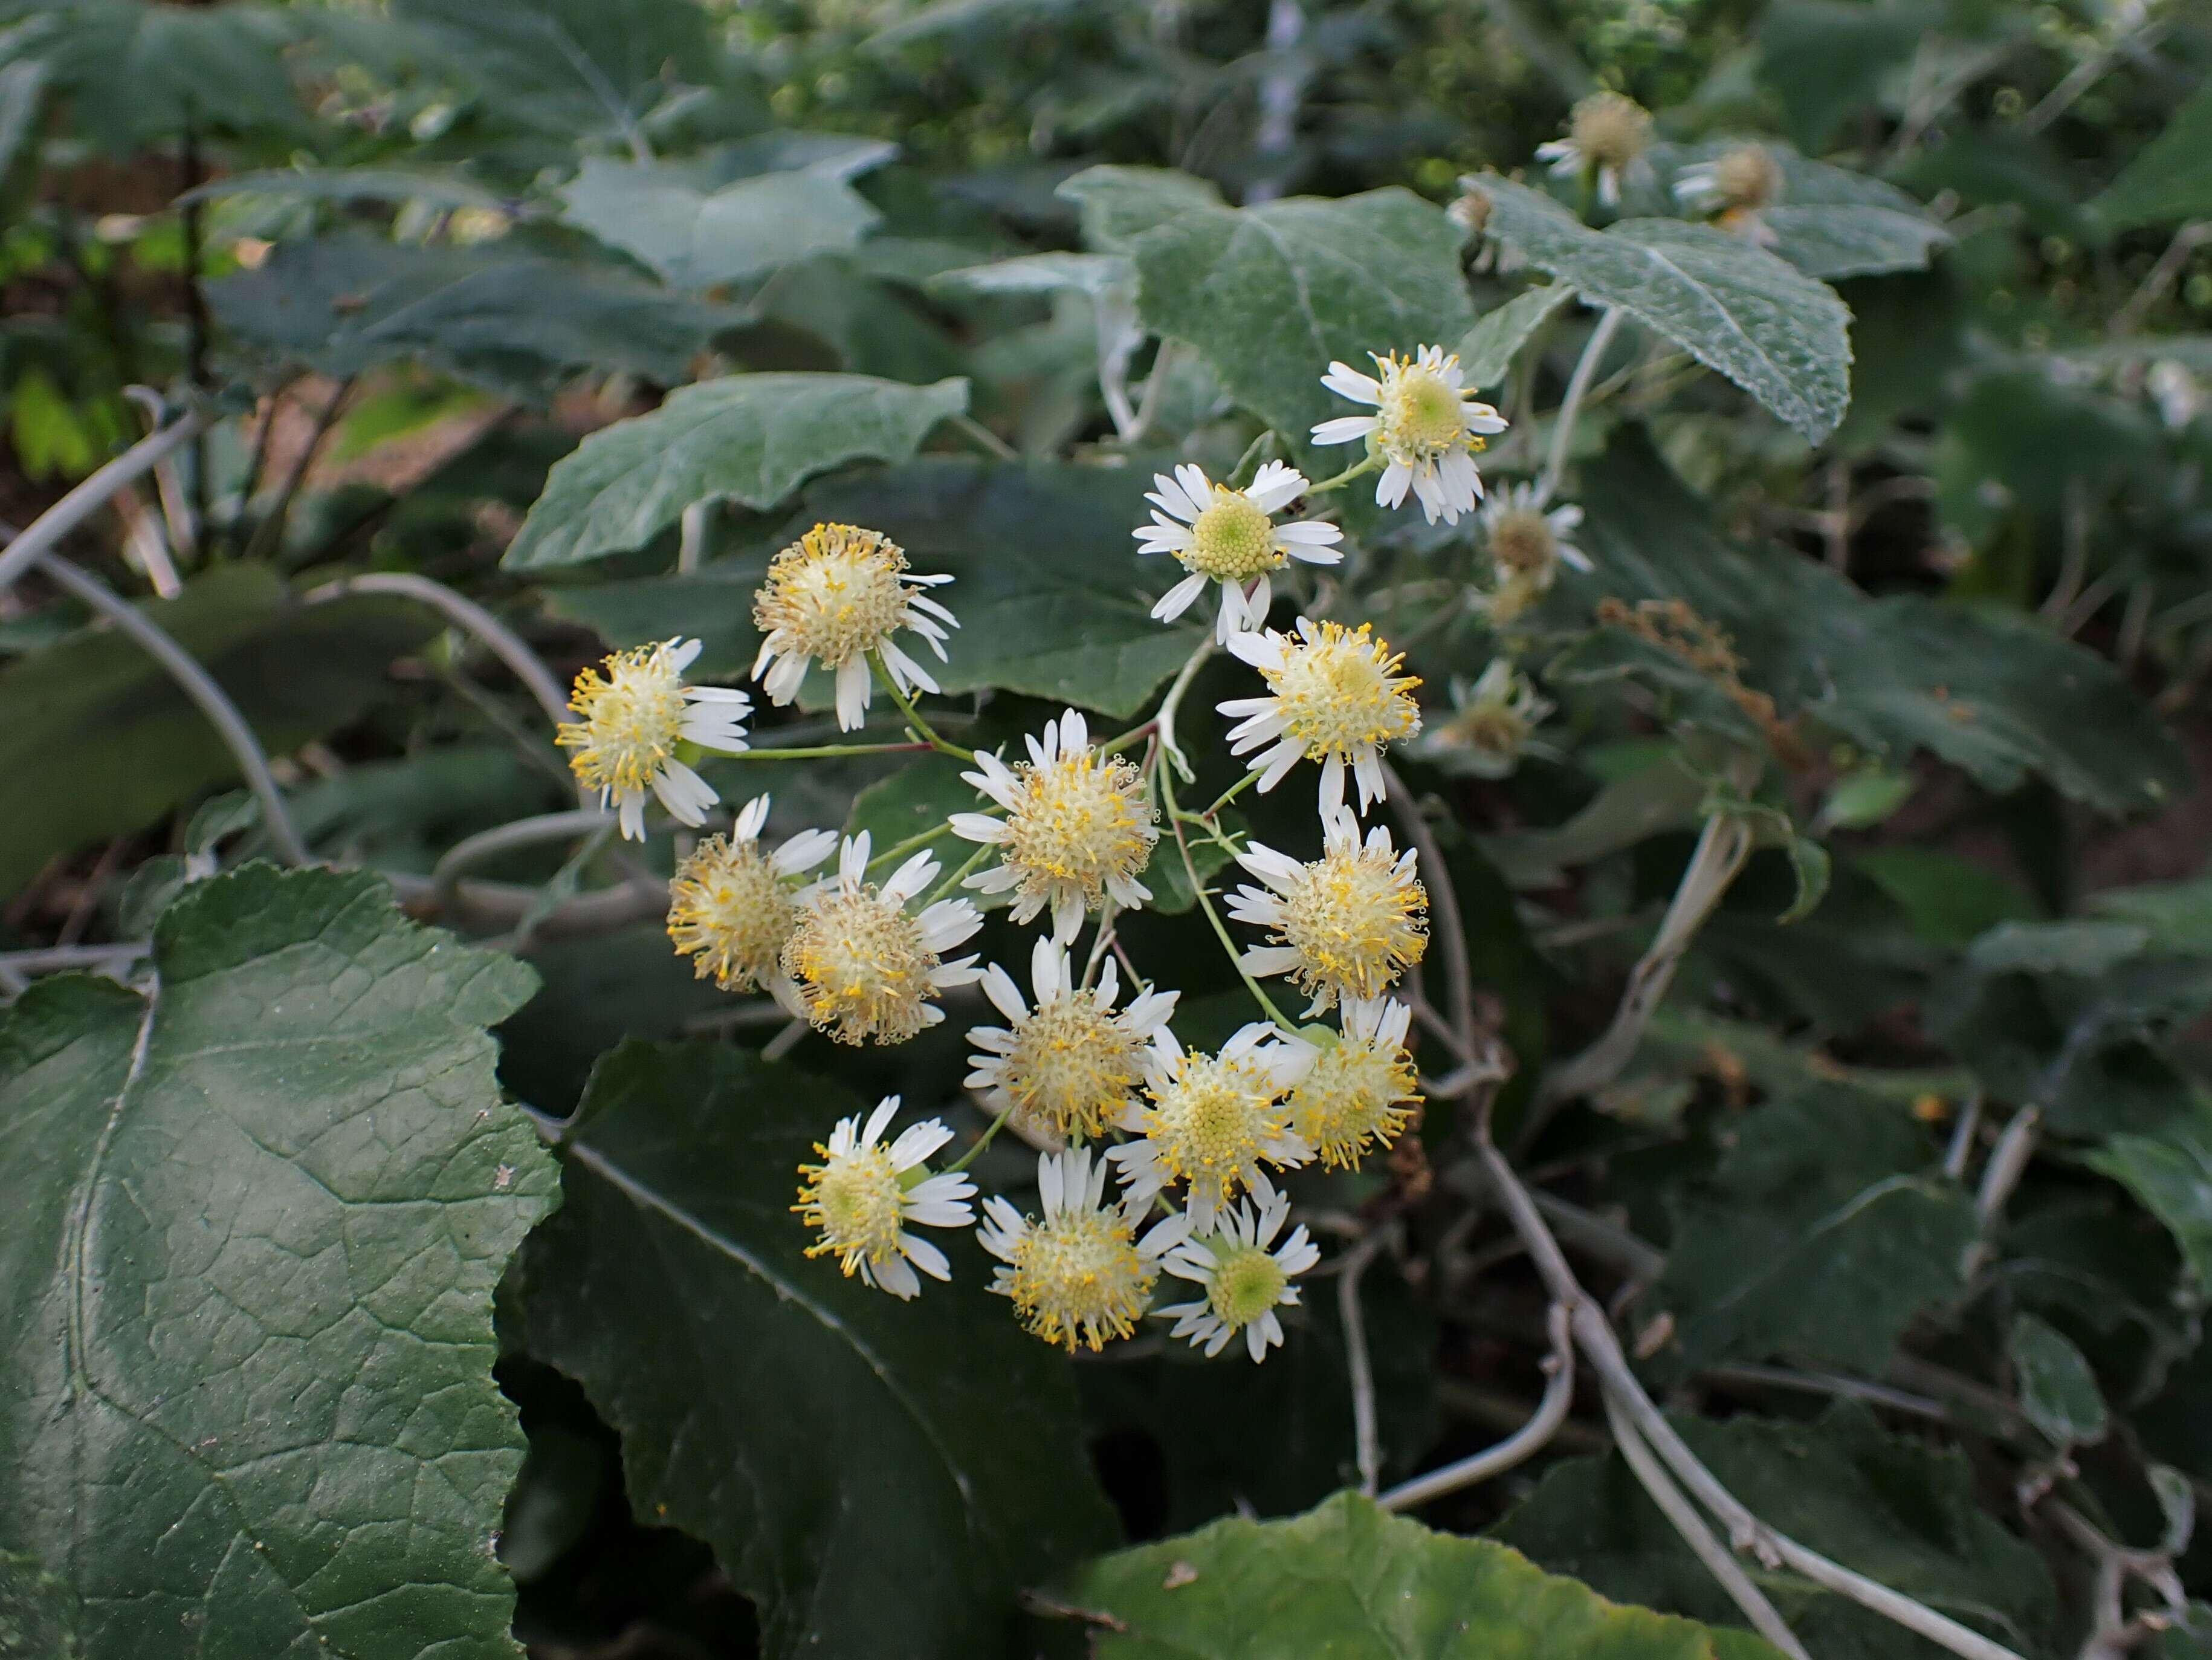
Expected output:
(1231, 794)
(983, 851)
(1206, 904)
(980, 1142)
(899, 850)
(922, 729)
(1364, 464)
(819, 751)
(984, 439)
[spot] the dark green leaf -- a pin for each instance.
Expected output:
(1889, 1507)
(2170, 1174)
(751, 438)
(2057, 1390)
(877, 1476)
(1775, 332)
(438, 190)
(1354, 1582)
(1270, 295)
(1821, 1233)
(255, 1223)
(2169, 178)
(101, 741)
(508, 319)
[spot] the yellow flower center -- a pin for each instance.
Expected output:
(834, 594)
(1521, 542)
(854, 1200)
(632, 718)
(1609, 129)
(1077, 1276)
(862, 969)
(726, 909)
(1352, 922)
(1233, 540)
(1246, 1282)
(1339, 693)
(1350, 1099)
(1072, 1068)
(1422, 417)
(1210, 1120)
(1080, 818)
(1748, 177)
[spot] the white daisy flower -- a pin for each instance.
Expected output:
(630, 722)
(1334, 697)
(731, 906)
(1245, 1282)
(863, 1199)
(1070, 1067)
(1362, 1091)
(858, 966)
(1607, 135)
(1211, 1119)
(1079, 828)
(1231, 536)
(1737, 187)
(1426, 427)
(1493, 724)
(1344, 925)
(1080, 1273)
(833, 597)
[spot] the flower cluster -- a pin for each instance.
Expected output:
(1155, 1159)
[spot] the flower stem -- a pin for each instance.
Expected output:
(819, 751)
(1367, 463)
(919, 839)
(922, 729)
(979, 1143)
(983, 851)
(984, 439)
(1563, 424)
(1206, 904)
(1230, 794)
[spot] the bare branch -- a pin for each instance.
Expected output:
(1366, 1442)
(44, 532)
(1523, 1444)
(472, 618)
(195, 681)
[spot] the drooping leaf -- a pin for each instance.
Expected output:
(1053, 598)
(100, 741)
(2169, 178)
(877, 1476)
(1355, 1582)
(255, 1220)
(696, 236)
(2170, 1173)
(1821, 1233)
(1890, 1507)
(1986, 690)
(1270, 295)
(749, 438)
(2057, 1390)
(1775, 332)
(1489, 348)
(565, 67)
(511, 320)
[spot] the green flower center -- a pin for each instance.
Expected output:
(1232, 540)
(1422, 415)
(1247, 1283)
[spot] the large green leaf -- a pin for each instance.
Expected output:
(101, 741)
(1820, 1235)
(134, 73)
(752, 438)
(1489, 348)
(1775, 332)
(1355, 1582)
(877, 1476)
(2169, 178)
(564, 67)
(1830, 222)
(1270, 295)
(515, 321)
(255, 1218)
(1984, 690)
(1053, 598)
(1889, 1507)
(695, 234)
